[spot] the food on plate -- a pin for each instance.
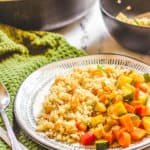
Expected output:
(96, 105)
(138, 21)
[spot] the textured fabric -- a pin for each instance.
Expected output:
(22, 52)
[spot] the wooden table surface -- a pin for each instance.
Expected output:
(114, 47)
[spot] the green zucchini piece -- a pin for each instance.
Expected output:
(136, 21)
(100, 68)
(102, 145)
(128, 92)
(128, 97)
(147, 77)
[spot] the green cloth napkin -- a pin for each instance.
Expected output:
(22, 52)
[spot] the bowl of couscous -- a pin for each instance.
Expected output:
(128, 21)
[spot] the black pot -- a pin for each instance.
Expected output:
(130, 36)
(42, 14)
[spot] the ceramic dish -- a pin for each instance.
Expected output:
(30, 97)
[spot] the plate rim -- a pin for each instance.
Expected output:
(18, 119)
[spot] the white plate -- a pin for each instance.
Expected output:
(31, 94)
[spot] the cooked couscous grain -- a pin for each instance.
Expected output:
(91, 101)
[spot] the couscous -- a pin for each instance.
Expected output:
(138, 21)
(98, 105)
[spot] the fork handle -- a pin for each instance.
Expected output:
(14, 143)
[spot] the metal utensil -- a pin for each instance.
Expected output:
(4, 101)
(4, 136)
(47, 14)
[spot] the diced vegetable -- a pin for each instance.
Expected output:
(136, 93)
(137, 77)
(100, 107)
(81, 126)
(110, 121)
(124, 139)
(146, 123)
(148, 104)
(119, 109)
(137, 134)
(96, 120)
(116, 131)
(88, 138)
(136, 103)
(100, 68)
(142, 111)
(143, 99)
(102, 145)
(129, 108)
(96, 73)
(126, 122)
(122, 80)
(136, 120)
(99, 131)
(147, 77)
(118, 98)
(103, 99)
(137, 84)
(111, 95)
(136, 21)
(144, 87)
(128, 91)
(109, 137)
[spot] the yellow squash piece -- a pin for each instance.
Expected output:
(96, 120)
(100, 107)
(122, 80)
(119, 109)
(146, 123)
(137, 77)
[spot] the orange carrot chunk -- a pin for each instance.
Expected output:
(81, 126)
(137, 93)
(109, 137)
(126, 122)
(137, 134)
(137, 84)
(142, 111)
(129, 108)
(116, 131)
(136, 104)
(124, 139)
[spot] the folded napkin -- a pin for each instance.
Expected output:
(22, 52)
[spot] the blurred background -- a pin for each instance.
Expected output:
(91, 34)
(88, 24)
